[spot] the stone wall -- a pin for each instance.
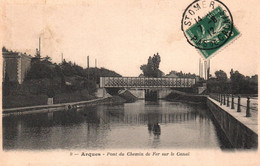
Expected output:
(237, 133)
(140, 94)
(163, 93)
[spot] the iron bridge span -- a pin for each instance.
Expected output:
(145, 82)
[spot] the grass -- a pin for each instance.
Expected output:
(23, 101)
(13, 101)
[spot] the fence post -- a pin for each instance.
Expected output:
(232, 102)
(227, 100)
(220, 99)
(238, 104)
(248, 114)
(224, 100)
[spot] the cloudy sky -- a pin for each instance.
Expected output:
(121, 35)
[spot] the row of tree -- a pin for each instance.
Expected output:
(44, 68)
(237, 83)
(44, 77)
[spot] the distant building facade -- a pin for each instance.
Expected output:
(15, 66)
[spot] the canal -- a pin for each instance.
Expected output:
(141, 124)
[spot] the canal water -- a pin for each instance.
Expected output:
(141, 125)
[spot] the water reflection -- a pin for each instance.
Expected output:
(153, 125)
(133, 125)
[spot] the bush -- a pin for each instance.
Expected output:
(22, 101)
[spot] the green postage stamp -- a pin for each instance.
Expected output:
(208, 26)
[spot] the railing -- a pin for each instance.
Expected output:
(230, 101)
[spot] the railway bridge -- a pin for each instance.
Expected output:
(146, 83)
(142, 87)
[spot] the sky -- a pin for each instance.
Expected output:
(121, 35)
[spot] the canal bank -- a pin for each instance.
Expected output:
(65, 106)
(241, 131)
(186, 97)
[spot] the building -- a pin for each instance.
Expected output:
(15, 66)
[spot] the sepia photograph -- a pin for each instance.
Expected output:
(134, 82)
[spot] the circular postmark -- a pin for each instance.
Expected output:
(207, 24)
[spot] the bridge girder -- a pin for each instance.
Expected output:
(145, 83)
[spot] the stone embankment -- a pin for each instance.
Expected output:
(240, 131)
(128, 96)
(65, 106)
(186, 97)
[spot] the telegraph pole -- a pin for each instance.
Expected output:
(88, 72)
(88, 65)
(208, 69)
(199, 67)
(205, 69)
(39, 45)
(95, 71)
(61, 57)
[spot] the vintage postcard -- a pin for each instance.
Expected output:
(129, 82)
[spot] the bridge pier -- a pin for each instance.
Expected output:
(139, 93)
(151, 94)
(146, 93)
(101, 92)
(163, 93)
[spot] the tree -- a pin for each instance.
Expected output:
(39, 70)
(47, 59)
(219, 84)
(237, 81)
(151, 69)
(6, 85)
(231, 72)
(4, 49)
(67, 68)
(221, 75)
